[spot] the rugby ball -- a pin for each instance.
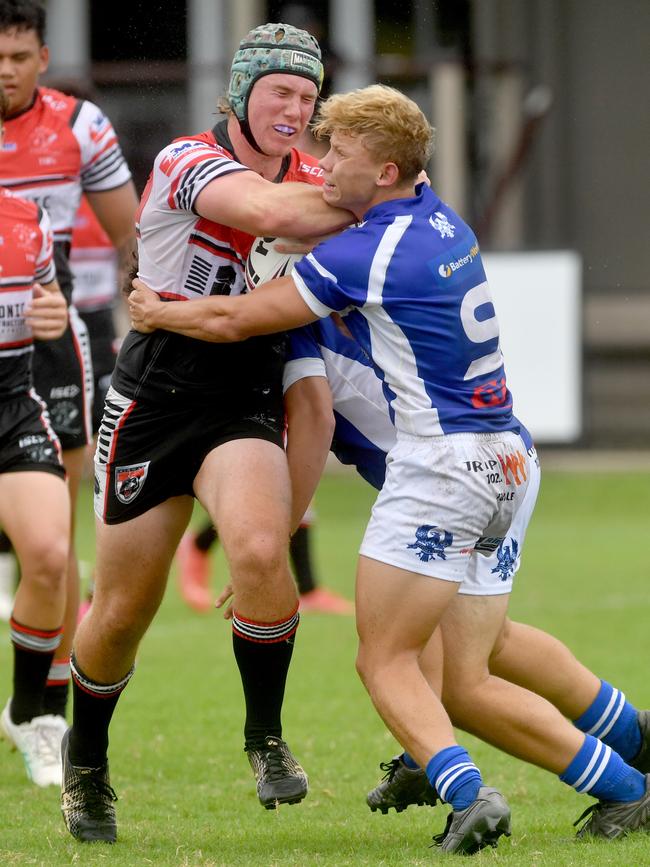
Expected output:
(264, 263)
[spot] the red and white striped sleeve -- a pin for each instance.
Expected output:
(103, 166)
(185, 167)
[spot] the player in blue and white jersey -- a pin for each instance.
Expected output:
(410, 284)
(326, 371)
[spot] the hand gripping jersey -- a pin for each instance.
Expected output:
(25, 256)
(53, 150)
(93, 260)
(184, 256)
(410, 283)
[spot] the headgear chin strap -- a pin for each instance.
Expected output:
(267, 49)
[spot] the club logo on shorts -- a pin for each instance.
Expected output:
(430, 542)
(129, 481)
(507, 559)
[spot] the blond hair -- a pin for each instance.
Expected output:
(392, 126)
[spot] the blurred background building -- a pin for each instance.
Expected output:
(542, 118)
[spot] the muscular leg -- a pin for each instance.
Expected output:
(541, 663)
(397, 611)
(501, 713)
(34, 509)
(130, 581)
(244, 486)
(56, 692)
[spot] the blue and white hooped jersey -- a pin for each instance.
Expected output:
(410, 284)
(364, 431)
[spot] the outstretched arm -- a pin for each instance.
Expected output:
(246, 201)
(276, 306)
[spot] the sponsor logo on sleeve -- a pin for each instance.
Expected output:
(449, 268)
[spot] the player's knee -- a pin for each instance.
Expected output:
(46, 564)
(258, 559)
(121, 625)
(371, 664)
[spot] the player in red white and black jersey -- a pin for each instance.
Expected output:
(185, 419)
(32, 478)
(57, 146)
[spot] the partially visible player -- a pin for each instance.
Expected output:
(327, 371)
(34, 501)
(57, 146)
(459, 480)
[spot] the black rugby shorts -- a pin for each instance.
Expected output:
(27, 441)
(102, 334)
(63, 377)
(149, 452)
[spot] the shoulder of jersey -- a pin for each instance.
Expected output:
(58, 103)
(180, 149)
(17, 207)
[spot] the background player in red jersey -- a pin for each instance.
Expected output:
(31, 478)
(57, 146)
(184, 418)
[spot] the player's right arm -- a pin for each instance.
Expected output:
(246, 201)
(310, 419)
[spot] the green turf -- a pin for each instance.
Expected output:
(186, 792)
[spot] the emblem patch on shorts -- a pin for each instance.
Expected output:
(430, 542)
(506, 560)
(129, 481)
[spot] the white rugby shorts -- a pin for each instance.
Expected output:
(456, 507)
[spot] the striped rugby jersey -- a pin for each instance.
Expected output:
(53, 150)
(184, 256)
(410, 283)
(26, 255)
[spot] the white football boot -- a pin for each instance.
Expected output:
(39, 741)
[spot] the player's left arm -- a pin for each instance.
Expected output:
(275, 306)
(115, 209)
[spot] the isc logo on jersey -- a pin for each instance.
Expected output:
(265, 263)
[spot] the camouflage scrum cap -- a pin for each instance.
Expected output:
(272, 48)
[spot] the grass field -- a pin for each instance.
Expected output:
(186, 793)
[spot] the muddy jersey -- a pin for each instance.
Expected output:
(25, 256)
(94, 263)
(52, 151)
(184, 256)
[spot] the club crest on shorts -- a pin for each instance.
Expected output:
(129, 481)
(430, 542)
(507, 560)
